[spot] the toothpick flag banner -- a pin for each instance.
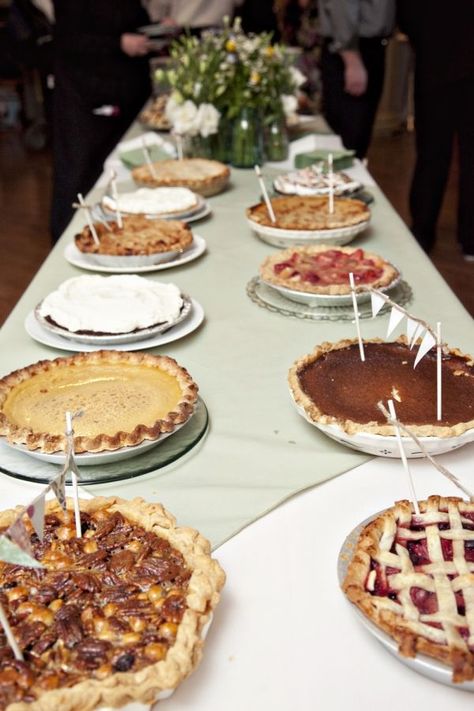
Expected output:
(19, 535)
(11, 553)
(377, 303)
(427, 343)
(395, 317)
(35, 511)
(418, 333)
(412, 327)
(59, 489)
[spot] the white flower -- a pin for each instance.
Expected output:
(297, 77)
(289, 103)
(182, 117)
(206, 121)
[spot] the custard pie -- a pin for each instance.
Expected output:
(413, 576)
(203, 176)
(125, 398)
(116, 616)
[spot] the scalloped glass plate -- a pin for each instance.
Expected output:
(15, 462)
(431, 668)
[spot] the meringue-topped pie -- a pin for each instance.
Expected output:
(125, 399)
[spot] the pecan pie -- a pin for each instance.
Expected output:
(113, 617)
(334, 386)
(125, 399)
(413, 576)
(310, 213)
(138, 236)
(203, 176)
(319, 269)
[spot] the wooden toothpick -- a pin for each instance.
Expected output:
(146, 153)
(403, 457)
(113, 187)
(356, 314)
(88, 218)
(70, 465)
(263, 188)
(331, 184)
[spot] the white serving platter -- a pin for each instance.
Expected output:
(278, 237)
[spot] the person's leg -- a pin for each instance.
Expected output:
(434, 129)
(465, 128)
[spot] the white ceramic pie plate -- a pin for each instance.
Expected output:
(386, 446)
(79, 259)
(107, 205)
(115, 339)
(431, 668)
(289, 238)
(305, 297)
(202, 209)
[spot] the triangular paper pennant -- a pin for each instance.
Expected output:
(395, 318)
(377, 303)
(411, 328)
(418, 333)
(428, 342)
(19, 535)
(58, 487)
(11, 553)
(35, 512)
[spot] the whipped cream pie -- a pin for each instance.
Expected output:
(156, 201)
(111, 305)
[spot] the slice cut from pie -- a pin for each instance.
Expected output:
(310, 213)
(313, 180)
(116, 616)
(333, 386)
(125, 399)
(413, 576)
(321, 269)
(138, 236)
(203, 176)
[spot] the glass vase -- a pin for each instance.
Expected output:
(276, 143)
(247, 139)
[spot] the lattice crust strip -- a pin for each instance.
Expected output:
(414, 577)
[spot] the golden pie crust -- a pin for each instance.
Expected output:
(358, 392)
(203, 176)
(154, 115)
(295, 212)
(201, 581)
(138, 236)
(304, 257)
(385, 579)
(126, 398)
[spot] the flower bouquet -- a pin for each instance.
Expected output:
(235, 87)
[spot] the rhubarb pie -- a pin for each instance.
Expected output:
(124, 398)
(309, 213)
(333, 386)
(116, 616)
(413, 576)
(139, 237)
(319, 269)
(203, 176)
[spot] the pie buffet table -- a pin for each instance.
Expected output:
(283, 636)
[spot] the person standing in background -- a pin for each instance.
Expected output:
(355, 36)
(444, 108)
(193, 14)
(102, 80)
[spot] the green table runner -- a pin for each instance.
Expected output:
(259, 451)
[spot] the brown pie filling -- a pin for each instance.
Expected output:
(108, 602)
(344, 387)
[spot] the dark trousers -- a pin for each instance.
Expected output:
(441, 113)
(352, 117)
(81, 143)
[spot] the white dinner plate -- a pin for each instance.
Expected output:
(47, 338)
(78, 259)
(278, 237)
(431, 668)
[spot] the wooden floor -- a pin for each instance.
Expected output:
(25, 193)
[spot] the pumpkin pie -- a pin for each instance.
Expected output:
(333, 386)
(125, 399)
(295, 212)
(116, 616)
(203, 176)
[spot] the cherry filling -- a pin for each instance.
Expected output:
(469, 551)
(426, 602)
(329, 267)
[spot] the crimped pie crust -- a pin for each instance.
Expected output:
(139, 236)
(295, 212)
(203, 176)
(267, 272)
(47, 442)
(402, 620)
(207, 579)
(154, 114)
(315, 414)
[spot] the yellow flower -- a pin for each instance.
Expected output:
(230, 45)
(254, 78)
(269, 51)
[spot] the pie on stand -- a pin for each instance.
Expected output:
(259, 453)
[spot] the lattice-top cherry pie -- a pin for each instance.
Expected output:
(414, 577)
(319, 269)
(113, 617)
